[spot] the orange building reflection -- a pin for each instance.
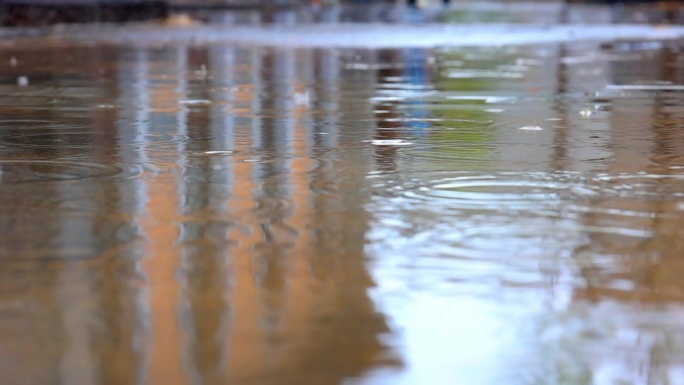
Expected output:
(195, 268)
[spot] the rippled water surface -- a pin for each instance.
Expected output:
(238, 213)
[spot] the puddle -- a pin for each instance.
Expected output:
(419, 198)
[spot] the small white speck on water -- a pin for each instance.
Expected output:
(105, 106)
(494, 110)
(13, 61)
(586, 112)
(226, 152)
(22, 81)
(531, 128)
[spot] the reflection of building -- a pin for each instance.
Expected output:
(199, 268)
(252, 317)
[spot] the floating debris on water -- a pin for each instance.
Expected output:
(586, 112)
(225, 152)
(22, 81)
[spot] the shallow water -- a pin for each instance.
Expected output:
(233, 213)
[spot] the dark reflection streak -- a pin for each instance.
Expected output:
(668, 64)
(181, 59)
(274, 201)
(386, 155)
(324, 139)
(559, 158)
(666, 134)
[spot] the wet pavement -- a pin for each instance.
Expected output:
(232, 212)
